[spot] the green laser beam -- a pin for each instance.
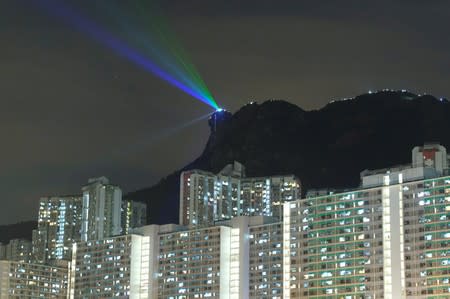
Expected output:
(158, 24)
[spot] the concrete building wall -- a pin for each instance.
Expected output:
(27, 280)
(206, 198)
(266, 261)
(59, 225)
(102, 268)
(2, 251)
(4, 279)
(133, 214)
(189, 263)
(388, 241)
(102, 203)
(18, 250)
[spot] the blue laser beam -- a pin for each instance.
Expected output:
(145, 143)
(70, 17)
(151, 47)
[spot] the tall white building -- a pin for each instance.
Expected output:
(101, 210)
(206, 197)
(237, 258)
(113, 267)
(266, 260)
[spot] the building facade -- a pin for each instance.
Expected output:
(388, 239)
(2, 251)
(59, 225)
(17, 250)
(266, 260)
(115, 267)
(206, 197)
(190, 263)
(237, 258)
(27, 280)
(101, 210)
(431, 155)
(134, 214)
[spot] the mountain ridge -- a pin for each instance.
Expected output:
(325, 148)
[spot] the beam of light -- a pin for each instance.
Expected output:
(147, 26)
(152, 48)
(162, 134)
(57, 9)
(144, 143)
(113, 158)
(168, 39)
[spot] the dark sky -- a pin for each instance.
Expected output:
(71, 109)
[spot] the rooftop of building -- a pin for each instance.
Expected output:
(395, 168)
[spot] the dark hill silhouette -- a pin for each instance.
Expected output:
(21, 230)
(328, 147)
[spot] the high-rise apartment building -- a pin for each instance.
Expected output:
(265, 195)
(101, 210)
(113, 267)
(190, 263)
(388, 239)
(134, 214)
(266, 260)
(27, 280)
(17, 250)
(206, 197)
(59, 225)
(237, 258)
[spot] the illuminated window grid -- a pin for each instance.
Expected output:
(28, 280)
(266, 261)
(207, 197)
(336, 252)
(59, 225)
(103, 268)
(189, 264)
(427, 238)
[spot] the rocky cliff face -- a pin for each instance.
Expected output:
(324, 148)
(328, 147)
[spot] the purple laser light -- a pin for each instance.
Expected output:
(98, 34)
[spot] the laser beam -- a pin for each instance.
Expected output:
(145, 143)
(154, 49)
(97, 33)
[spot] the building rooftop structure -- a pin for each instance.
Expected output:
(428, 161)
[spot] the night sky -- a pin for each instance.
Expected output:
(72, 109)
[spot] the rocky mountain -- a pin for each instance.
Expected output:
(328, 147)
